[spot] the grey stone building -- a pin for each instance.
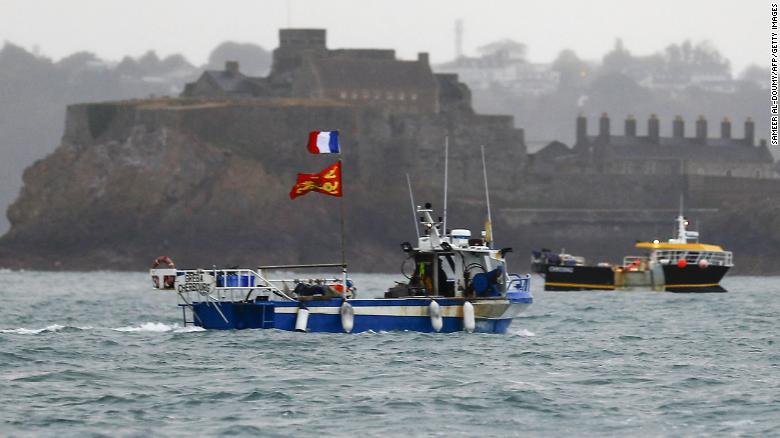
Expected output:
(652, 154)
(303, 67)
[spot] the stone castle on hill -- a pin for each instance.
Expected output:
(652, 154)
(303, 67)
(211, 169)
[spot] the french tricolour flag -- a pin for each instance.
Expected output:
(324, 142)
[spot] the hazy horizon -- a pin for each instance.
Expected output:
(113, 30)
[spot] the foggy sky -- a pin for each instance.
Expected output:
(112, 29)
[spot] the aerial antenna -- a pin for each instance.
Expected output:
(681, 234)
(458, 39)
(681, 204)
(414, 210)
(446, 165)
(489, 227)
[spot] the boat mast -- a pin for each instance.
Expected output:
(414, 210)
(489, 228)
(446, 165)
(681, 236)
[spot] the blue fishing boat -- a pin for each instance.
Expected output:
(455, 282)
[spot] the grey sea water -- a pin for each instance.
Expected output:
(101, 354)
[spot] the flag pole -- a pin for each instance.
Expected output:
(343, 247)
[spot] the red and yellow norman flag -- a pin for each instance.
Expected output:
(328, 182)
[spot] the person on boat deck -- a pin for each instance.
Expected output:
(446, 287)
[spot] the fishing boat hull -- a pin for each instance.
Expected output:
(325, 315)
(694, 278)
(574, 278)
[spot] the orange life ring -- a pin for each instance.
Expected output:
(168, 280)
(634, 265)
(163, 260)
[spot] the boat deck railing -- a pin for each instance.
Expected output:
(519, 282)
(636, 263)
(712, 258)
(218, 285)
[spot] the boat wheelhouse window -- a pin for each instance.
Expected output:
(434, 273)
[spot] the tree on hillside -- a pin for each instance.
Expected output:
(253, 59)
(687, 59)
(754, 73)
(574, 71)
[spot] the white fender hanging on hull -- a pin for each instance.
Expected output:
(469, 321)
(347, 317)
(434, 310)
(302, 320)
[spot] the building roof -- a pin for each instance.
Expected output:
(372, 74)
(230, 82)
(554, 150)
(670, 148)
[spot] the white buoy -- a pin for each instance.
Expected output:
(302, 320)
(469, 322)
(434, 310)
(347, 317)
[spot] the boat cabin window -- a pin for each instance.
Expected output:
(435, 273)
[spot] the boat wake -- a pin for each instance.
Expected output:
(48, 329)
(159, 327)
(524, 333)
(148, 327)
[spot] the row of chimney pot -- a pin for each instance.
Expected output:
(653, 129)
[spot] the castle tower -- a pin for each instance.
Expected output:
(294, 45)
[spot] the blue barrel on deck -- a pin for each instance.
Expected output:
(234, 280)
(246, 280)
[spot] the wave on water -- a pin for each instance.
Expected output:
(48, 329)
(159, 327)
(524, 333)
(150, 327)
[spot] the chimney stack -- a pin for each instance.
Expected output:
(231, 67)
(582, 129)
(678, 128)
(653, 129)
(750, 132)
(422, 57)
(604, 128)
(630, 130)
(725, 129)
(701, 130)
